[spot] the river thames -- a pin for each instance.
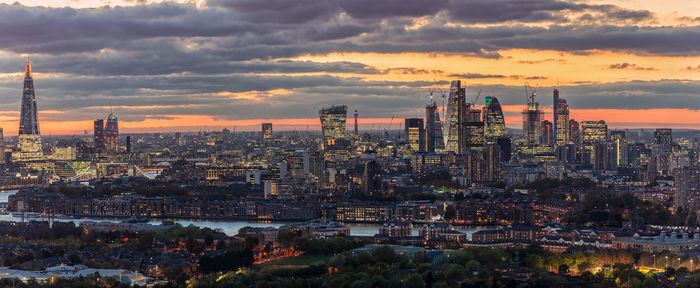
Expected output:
(231, 227)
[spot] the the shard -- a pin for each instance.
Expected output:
(29, 140)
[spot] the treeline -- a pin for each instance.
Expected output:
(468, 267)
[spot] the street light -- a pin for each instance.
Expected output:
(654, 260)
(666, 260)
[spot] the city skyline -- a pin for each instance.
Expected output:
(243, 72)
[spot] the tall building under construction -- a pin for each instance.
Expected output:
(532, 120)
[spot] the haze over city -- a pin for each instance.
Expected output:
(206, 65)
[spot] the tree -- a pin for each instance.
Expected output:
(563, 268)
(533, 261)
(414, 281)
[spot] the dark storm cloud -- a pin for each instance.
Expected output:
(184, 59)
(245, 30)
(650, 40)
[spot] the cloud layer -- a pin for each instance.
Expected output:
(231, 58)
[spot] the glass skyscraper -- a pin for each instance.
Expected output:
(112, 133)
(29, 139)
(455, 118)
(494, 122)
(333, 121)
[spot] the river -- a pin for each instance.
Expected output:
(231, 227)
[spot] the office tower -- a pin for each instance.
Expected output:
(561, 122)
(430, 126)
(504, 143)
(98, 134)
(413, 129)
(454, 121)
(439, 134)
(494, 122)
(475, 165)
(546, 133)
(593, 131)
(685, 187)
(112, 133)
(29, 139)
(267, 131)
(495, 168)
(2, 147)
(555, 109)
(662, 151)
(605, 155)
(618, 137)
(574, 132)
(372, 179)
(356, 130)
(128, 144)
(474, 130)
(333, 124)
(532, 121)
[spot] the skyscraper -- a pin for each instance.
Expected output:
(532, 121)
(618, 137)
(494, 122)
(561, 122)
(2, 147)
(555, 113)
(574, 132)
(456, 116)
(473, 130)
(372, 179)
(112, 133)
(686, 187)
(439, 139)
(414, 133)
(430, 126)
(99, 135)
(29, 139)
(267, 131)
(356, 130)
(546, 138)
(594, 131)
(662, 150)
(333, 121)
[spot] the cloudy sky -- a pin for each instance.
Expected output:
(209, 64)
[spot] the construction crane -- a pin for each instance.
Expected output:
(530, 93)
(476, 98)
(442, 92)
(386, 131)
(430, 95)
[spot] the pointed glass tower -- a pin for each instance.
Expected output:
(29, 140)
